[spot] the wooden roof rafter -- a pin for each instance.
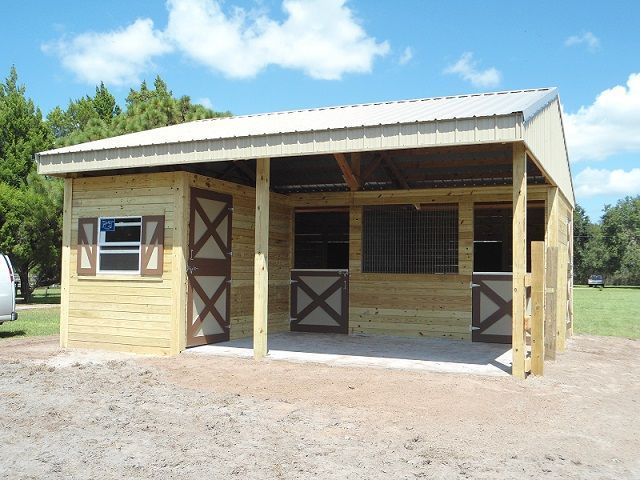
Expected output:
(347, 172)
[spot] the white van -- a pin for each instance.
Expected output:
(7, 291)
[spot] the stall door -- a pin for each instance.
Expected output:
(209, 268)
(492, 299)
(320, 301)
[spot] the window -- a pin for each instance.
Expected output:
(321, 240)
(119, 241)
(403, 239)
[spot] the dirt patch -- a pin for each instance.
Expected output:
(77, 414)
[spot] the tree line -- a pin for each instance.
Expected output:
(31, 204)
(611, 247)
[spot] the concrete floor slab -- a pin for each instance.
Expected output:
(405, 353)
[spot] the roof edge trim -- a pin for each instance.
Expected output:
(533, 109)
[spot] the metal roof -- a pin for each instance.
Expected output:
(525, 102)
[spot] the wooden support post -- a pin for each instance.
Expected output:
(550, 316)
(348, 175)
(537, 308)
(261, 260)
(519, 263)
(180, 254)
(65, 276)
(465, 238)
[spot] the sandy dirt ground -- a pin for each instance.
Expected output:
(79, 414)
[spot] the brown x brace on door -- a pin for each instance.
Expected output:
(320, 301)
(209, 268)
(492, 304)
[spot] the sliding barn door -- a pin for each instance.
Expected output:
(209, 268)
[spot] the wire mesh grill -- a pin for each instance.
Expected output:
(402, 239)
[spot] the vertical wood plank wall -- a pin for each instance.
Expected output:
(559, 238)
(565, 247)
(147, 315)
(121, 312)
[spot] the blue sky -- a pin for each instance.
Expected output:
(256, 56)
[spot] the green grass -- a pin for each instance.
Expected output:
(32, 323)
(610, 311)
(43, 295)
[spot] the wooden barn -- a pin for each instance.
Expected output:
(439, 217)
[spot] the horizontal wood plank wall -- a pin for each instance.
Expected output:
(242, 259)
(122, 312)
(417, 305)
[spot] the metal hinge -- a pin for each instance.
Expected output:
(472, 328)
(291, 282)
(229, 282)
(230, 209)
(291, 320)
(473, 285)
(230, 253)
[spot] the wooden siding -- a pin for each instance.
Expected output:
(148, 315)
(410, 304)
(119, 312)
(243, 255)
(423, 305)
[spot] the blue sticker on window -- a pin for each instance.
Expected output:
(107, 224)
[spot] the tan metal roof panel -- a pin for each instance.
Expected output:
(527, 102)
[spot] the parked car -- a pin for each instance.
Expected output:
(596, 281)
(7, 290)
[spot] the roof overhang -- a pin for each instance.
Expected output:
(463, 131)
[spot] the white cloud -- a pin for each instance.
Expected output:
(610, 125)
(205, 102)
(592, 182)
(320, 37)
(117, 57)
(589, 39)
(467, 68)
(406, 56)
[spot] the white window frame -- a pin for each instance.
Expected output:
(103, 243)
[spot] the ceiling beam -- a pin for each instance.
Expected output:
(355, 165)
(396, 173)
(245, 169)
(347, 173)
(377, 160)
